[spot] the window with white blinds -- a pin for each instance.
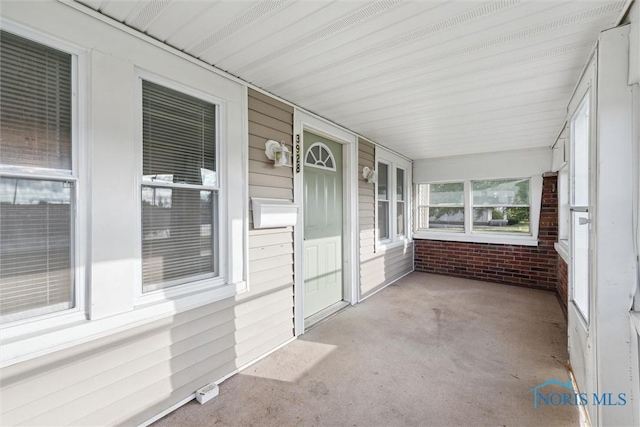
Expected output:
(37, 183)
(180, 188)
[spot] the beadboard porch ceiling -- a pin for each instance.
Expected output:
(426, 78)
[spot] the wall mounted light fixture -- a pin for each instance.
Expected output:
(369, 174)
(278, 152)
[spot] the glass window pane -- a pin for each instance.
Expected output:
(400, 184)
(580, 259)
(383, 181)
(179, 137)
(563, 204)
(329, 163)
(400, 219)
(383, 220)
(580, 155)
(501, 219)
(451, 193)
(441, 218)
(35, 104)
(36, 250)
(316, 154)
(510, 192)
(177, 236)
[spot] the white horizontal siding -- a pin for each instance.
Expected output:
(377, 269)
(129, 377)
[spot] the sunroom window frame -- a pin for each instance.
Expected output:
(463, 206)
(473, 206)
(507, 238)
(76, 175)
(186, 286)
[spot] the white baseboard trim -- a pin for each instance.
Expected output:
(388, 284)
(193, 396)
(254, 361)
(168, 410)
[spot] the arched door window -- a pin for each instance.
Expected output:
(320, 156)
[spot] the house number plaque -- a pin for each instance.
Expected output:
(298, 153)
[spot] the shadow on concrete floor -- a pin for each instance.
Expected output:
(427, 351)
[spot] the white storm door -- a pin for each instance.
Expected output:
(322, 223)
(580, 322)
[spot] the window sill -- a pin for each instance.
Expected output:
(563, 250)
(382, 247)
(29, 341)
(477, 238)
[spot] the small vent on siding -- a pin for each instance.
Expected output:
(324, 32)
(418, 67)
(247, 18)
(148, 14)
(411, 37)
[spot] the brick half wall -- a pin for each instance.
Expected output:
(563, 281)
(530, 266)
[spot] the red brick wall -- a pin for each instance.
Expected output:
(563, 281)
(530, 266)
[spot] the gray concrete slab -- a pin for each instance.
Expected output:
(427, 351)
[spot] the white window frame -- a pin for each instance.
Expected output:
(472, 206)
(315, 165)
(587, 97)
(530, 239)
(404, 202)
(123, 310)
(463, 206)
(383, 240)
(393, 162)
(77, 176)
(221, 259)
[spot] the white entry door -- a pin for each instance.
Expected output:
(322, 223)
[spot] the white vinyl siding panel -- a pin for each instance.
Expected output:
(377, 269)
(129, 377)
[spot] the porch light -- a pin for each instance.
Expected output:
(369, 174)
(278, 152)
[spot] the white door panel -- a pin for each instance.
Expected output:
(323, 197)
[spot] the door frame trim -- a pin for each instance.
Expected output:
(304, 121)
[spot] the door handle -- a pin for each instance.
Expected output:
(583, 221)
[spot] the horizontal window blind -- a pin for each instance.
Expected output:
(36, 251)
(179, 136)
(36, 213)
(178, 223)
(35, 104)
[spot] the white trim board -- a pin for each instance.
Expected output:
(218, 382)
(394, 281)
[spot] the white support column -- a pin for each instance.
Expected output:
(614, 247)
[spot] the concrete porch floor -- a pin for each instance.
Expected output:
(427, 351)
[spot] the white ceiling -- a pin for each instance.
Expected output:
(426, 78)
